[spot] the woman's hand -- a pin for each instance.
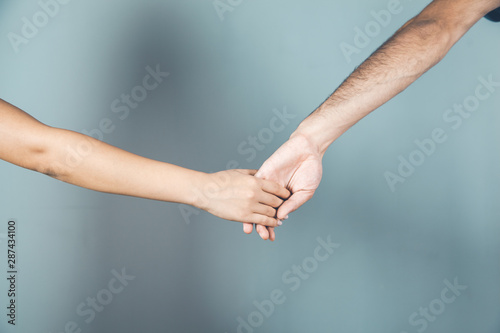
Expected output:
(297, 164)
(239, 196)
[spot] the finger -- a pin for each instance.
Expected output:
(264, 221)
(263, 233)
(274, 188)
(295, 201)
(264, 210)
(270, 200)
(248, 228)
(272, 235)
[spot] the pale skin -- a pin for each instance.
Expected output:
(415, 48)
(84, 161)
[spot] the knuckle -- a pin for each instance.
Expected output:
(270, 221)
(250, 194)
(253, 181)
(277, 202)
(241, 217)
(260, 220)
(271, 212)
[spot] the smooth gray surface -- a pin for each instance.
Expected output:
(226, 77)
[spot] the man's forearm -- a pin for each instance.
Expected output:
(410, 52)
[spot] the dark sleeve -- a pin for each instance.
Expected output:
(494, 15)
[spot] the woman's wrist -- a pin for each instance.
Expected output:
(197, 189)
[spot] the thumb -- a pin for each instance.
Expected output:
(265, 170)
(250, 172)
(260, 173)
(295, 201)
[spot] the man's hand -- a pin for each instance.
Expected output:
(416, 47)
(296, 165)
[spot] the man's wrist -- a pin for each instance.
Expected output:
(320, 129)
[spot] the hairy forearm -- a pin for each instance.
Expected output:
(409, 53)
(84, 161)
(393, 67)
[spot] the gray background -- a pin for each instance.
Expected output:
(226, 77)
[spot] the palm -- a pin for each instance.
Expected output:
(297, 166)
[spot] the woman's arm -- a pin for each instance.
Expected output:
(84, 161)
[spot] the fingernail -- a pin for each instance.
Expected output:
(286, 217)
(279, 222)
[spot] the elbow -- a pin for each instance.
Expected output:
(44, 164)
(63, 154)
(45, 157)
(49, 171)
(433, 32)
(431, 39)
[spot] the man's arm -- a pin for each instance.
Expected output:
(416, 47)
(84, 161)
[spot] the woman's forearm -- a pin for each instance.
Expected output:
(84, 161)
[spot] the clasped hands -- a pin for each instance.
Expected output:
(284, 182)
